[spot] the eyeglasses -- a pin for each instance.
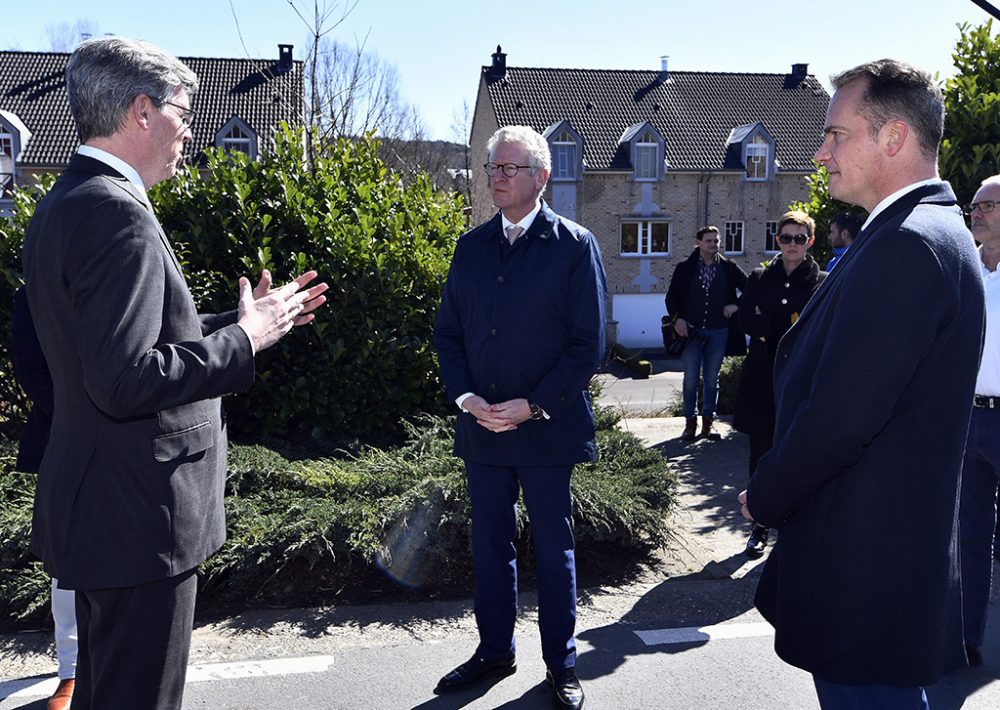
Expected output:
(986, 206)
(187, 118)
(799, 239)
(509, 169)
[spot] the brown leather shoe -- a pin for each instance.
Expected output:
(61, 699)
(690, 428)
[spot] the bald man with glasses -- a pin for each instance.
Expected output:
(981, 465)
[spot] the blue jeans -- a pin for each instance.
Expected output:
(703, 356)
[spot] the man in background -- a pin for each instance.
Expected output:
(844, 228)
(981, 468)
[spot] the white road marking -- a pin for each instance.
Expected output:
(197, 673)
(701, 634)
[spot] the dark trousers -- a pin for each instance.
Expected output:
(977, 519)
(493, 491)
(833, 696)
(134, 644)
(760, 444)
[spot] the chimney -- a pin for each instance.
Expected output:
(799, 71)
(499, 69)
(284, 57)
(664, 72)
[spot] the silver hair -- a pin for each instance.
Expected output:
(539, 155)
(991, 180)
(104, 76)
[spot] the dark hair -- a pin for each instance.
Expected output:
(800, 218)
(706, 230)
(848, 222)
(896, 90)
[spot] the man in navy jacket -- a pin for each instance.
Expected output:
(519, 334)
(874, 386)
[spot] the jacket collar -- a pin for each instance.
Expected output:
(543, 225)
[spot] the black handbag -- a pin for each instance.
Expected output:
(673, 342)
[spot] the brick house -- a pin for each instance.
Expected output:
(645, 158)
(238, 105)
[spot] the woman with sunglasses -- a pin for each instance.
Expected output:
(772, 301)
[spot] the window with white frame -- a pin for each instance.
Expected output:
(236, 139)
(647, 152)
(733, 238)
(757, 157)
(645, 238)
(564, 160)
(6, 165)
(771, 237)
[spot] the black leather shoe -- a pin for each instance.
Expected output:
(975, 656)
(566, 689)
(475, 671)
(757, 542)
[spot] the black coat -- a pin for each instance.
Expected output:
(873, 388)
(780, 298)
(32, 373)
(680, 287)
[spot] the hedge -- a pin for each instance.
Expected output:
(304, 531)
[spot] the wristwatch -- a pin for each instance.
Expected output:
(536, 411)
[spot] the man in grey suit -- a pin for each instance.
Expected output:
(130, 489)
(873, 388)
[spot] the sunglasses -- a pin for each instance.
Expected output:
(799, 239)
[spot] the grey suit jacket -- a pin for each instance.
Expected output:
(130, 489)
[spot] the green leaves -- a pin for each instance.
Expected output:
(382, 245)
(970, 151)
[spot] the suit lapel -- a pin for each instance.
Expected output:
(86, 164)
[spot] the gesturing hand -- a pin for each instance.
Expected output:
(267, 314)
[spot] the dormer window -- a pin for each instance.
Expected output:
(566, 146)
(644, 149)
(756, 157)
(6, 164)
(647, 151)
(564, 157)
(752, 148)
(236, 139)
(237, 136)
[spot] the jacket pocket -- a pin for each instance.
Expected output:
(181, 444)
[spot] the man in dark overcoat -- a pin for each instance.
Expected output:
(519, 334)
(874, 386)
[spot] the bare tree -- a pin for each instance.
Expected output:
(461, 133)
(64, 36)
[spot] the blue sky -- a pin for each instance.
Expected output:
(438, 46)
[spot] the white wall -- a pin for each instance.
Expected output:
(638, 317)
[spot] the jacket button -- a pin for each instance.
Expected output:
(787, 284)
(493, 332)
(784, 301)
(493, 386)
(500, 279)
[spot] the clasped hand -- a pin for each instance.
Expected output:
(266, 314)
(504, 416)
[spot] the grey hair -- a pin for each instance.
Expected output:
(991, 180)
(897, 90)
(539, 155)
(104, 76)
